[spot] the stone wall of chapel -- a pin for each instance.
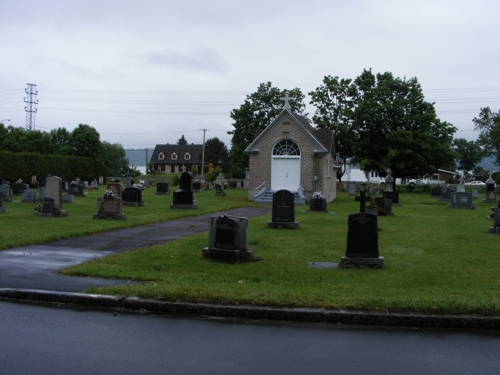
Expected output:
(310, 164)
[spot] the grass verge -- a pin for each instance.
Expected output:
(436, 260)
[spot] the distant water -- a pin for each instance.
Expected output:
(141, 168)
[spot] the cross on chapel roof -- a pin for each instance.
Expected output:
(287, 99)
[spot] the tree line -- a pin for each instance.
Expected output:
(83, 141)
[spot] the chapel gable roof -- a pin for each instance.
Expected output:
(323, 138)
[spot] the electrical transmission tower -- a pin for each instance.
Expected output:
(30, 108)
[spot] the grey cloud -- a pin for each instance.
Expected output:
(202, 59)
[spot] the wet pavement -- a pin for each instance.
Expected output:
(36, 266)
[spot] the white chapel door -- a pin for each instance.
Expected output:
(285, 173)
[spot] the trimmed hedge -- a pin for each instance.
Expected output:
(14, 166)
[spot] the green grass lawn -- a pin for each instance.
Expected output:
(436, 259)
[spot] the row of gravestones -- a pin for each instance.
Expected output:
(228, 235)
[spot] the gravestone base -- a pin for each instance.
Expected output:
(285, 225)
(109, 216)
(494, 230)
(133, 204)
(162, 192)
(56, 213)
(227, 256)
(362, 263)
(489, 201)
(186, 206)
(458, 207)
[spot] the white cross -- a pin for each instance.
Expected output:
(287, 99)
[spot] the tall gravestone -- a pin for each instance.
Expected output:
(5, 192)
(53, 198)
(186, 181)
(362, 242)
(283, 214)
(491, 196)
(219, 187)
(228, 240)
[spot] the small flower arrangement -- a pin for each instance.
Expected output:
(108, 194)
(38, 207)
(317, 195)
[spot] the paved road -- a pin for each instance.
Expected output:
(42, 340)
(35, 267)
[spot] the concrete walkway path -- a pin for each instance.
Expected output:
(36, 266)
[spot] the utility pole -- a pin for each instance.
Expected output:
(30, 107)
(203, 154)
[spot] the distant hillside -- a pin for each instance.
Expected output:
(489, 164)
(137, 157)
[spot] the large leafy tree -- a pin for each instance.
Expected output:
(488, 124)
(258, 111)
(60, 141)
(469, 154)
(217, 154)
(383, 123)
(116, 158)
(335, 101)
(85, 141)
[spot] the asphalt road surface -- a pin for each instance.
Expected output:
(49, 340)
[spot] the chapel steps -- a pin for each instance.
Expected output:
(266, 196)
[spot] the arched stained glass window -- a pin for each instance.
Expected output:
(286, 147)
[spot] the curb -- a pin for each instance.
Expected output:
(296, 314)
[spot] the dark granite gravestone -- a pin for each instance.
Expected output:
(393, 196)
(5, 192)
(197, 186)
(132, 196)
(2, 208)
(283, 215)
(47, 208)
(318, 204)
(446, 195)
(64, 185)
(436, 192)
(186, 181)
(382, 206)
(362, 242)
(228, 240)
(76, 189)
(18, 188)
(461, 201)
(116, 188)
(162, 188)
(183, 199)
(496, 222)
(491, 195)
(29, 196)
(109, 208)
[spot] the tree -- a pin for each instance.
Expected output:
(85, 141)
(335, 101)
(217, 154)
(258, 111)
(488, 124)
(182, 141)
(387, 124)
(469, 154)
(60, 141)
(116, 158)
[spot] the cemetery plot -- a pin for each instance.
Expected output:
(109, 208)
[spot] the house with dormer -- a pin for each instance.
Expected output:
(170, 159)
(290, 154)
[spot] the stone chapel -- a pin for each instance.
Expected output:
(290, 154)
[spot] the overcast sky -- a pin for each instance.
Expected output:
(147, 72)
